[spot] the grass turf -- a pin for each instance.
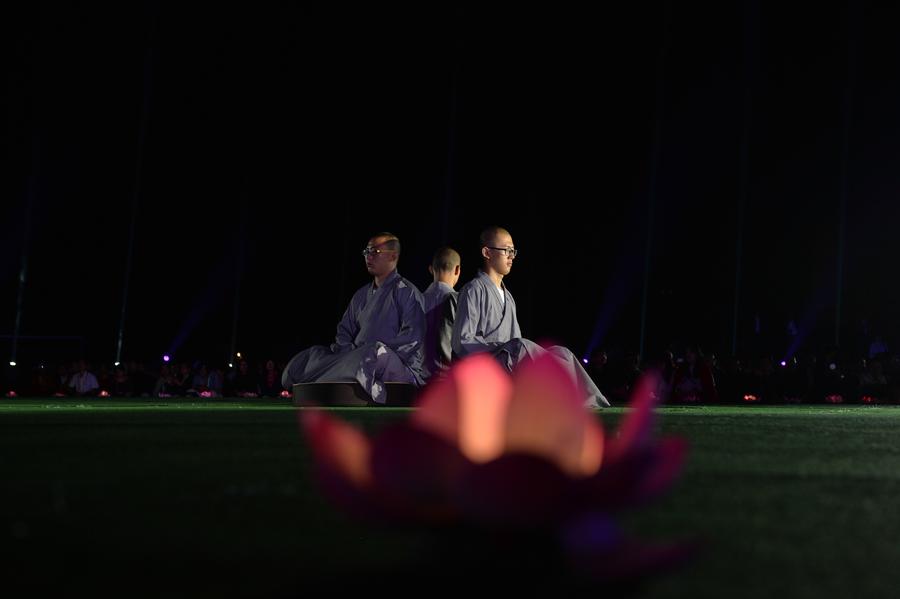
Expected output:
(216, 498)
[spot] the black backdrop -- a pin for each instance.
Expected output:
(277, 137)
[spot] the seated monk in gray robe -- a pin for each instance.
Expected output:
(380, 337)
(486, 318)
(440, 310)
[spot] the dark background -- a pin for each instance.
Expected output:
(277, 137)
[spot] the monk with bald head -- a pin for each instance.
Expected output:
(440, 309)
(379, 338)
(486, 318)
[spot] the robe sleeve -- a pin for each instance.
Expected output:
(409, 342)
(467, 338)
(516, 331)
(445, 336)
(347, 329)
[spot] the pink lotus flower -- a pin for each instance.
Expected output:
(516, 462)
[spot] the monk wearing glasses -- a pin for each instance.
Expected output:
(379, 338)
(486, 318)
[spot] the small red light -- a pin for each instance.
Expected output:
(11, 394)
(104, 393)
(834, 398)
(750, 398)
(285, 393)
(867, 399)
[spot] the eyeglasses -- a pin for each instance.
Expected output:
(370, 250)
(506, 251)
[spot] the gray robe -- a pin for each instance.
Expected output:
(440, 312)
(379, 339)
(484, 324)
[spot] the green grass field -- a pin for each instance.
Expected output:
(187, 498)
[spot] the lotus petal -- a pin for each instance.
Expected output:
(547, 418)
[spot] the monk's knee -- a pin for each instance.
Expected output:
(563, 352)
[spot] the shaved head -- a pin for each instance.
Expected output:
(445, 259)
(382, 253)
(489, 236)
(497, 251)
(389, 241)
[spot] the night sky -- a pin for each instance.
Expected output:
(265, 142)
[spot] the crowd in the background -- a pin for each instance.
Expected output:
(175, 379)
(686, 376)
(689, 377)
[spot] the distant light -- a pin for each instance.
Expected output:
(116, 363)
(834, 398)
(750, 398)
(867, 399)
(104, 393)
(832, 366)
(230, 365)
(166, 358)
(585, 360)
(11, 363)
(41, 366)
(784, 363)
(11, 394)
(285, 393)
(238, 354)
